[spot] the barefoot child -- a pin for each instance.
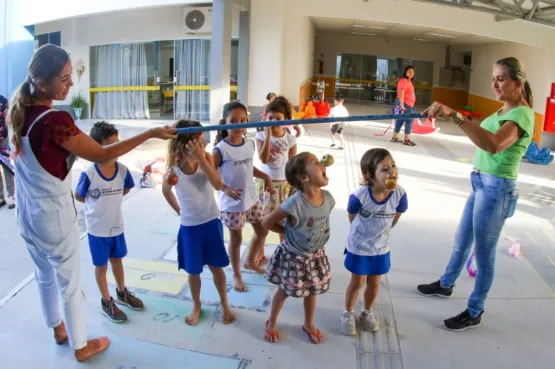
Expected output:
(102, 187)
(338, 110)
(201, 236)
(299, 266)
(373, 210)
(233, 157)
(275, 147)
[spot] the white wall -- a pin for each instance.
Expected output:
(46, 11)
(277, 35)
(330, 44)
(298, 54)
(153, 24)
(265, 49)
(536, 62)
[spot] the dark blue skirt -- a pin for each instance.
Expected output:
(201, 245)
(367, 265)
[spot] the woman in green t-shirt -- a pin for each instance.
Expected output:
(501, 140)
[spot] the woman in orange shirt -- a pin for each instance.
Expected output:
(405, 101)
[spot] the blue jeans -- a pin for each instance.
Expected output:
(492, 201)
(407, 122)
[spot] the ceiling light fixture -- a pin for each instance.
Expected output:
(363, 33)
(372, 27)
(420, 39)
(439, 35)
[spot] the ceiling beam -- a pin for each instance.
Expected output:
(504, 11)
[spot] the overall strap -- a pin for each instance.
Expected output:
(38, 119)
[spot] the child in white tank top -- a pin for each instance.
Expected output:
(275, 147)
(201, 236)
(233, 157)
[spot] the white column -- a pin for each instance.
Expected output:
(243, 67)
(220, 58)
(266, 54)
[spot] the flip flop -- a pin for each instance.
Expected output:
(409, 143)
(396, 140)
(273, 334)
(316, 337)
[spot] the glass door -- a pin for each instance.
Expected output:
(192, 73)
(164, 72)
(135, 87)
(159, 86)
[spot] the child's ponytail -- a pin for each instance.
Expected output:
(220, 135)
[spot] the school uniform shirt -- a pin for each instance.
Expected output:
(279, 154)
(307, 229)
(196, 198)
(236, 169)
(369, 232)
(103, 199)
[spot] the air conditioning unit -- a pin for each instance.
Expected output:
(197, 20)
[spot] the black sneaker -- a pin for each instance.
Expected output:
(111, 310)
(2, 202)
(434, 289)
(340, 148)
(129, 299)
(462, 321)
(332, 145)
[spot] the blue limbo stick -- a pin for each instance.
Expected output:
(218, 127)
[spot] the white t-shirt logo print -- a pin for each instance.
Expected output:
(95, 194)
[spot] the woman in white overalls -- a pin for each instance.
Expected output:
(45, 144)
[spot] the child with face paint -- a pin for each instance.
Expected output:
(373, 210)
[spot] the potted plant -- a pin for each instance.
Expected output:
(78, 102)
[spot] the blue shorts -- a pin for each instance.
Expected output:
(201, 245)
(104, 248)
(367, 265)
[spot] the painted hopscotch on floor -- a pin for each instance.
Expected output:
(162, 278)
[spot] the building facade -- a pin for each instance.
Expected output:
(167, 59)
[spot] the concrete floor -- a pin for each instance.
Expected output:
(515, 331)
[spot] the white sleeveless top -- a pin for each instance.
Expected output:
(236, 169)
(196, 198)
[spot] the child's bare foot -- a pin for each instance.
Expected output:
(261, 260)
(238, 284)
(254, 267)
(192, 318)
(93, 347)
(271, 335)
(313, 333)
(60, 334)
(228, 316)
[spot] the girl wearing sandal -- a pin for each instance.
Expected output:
(405, 101)
(300, 265)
